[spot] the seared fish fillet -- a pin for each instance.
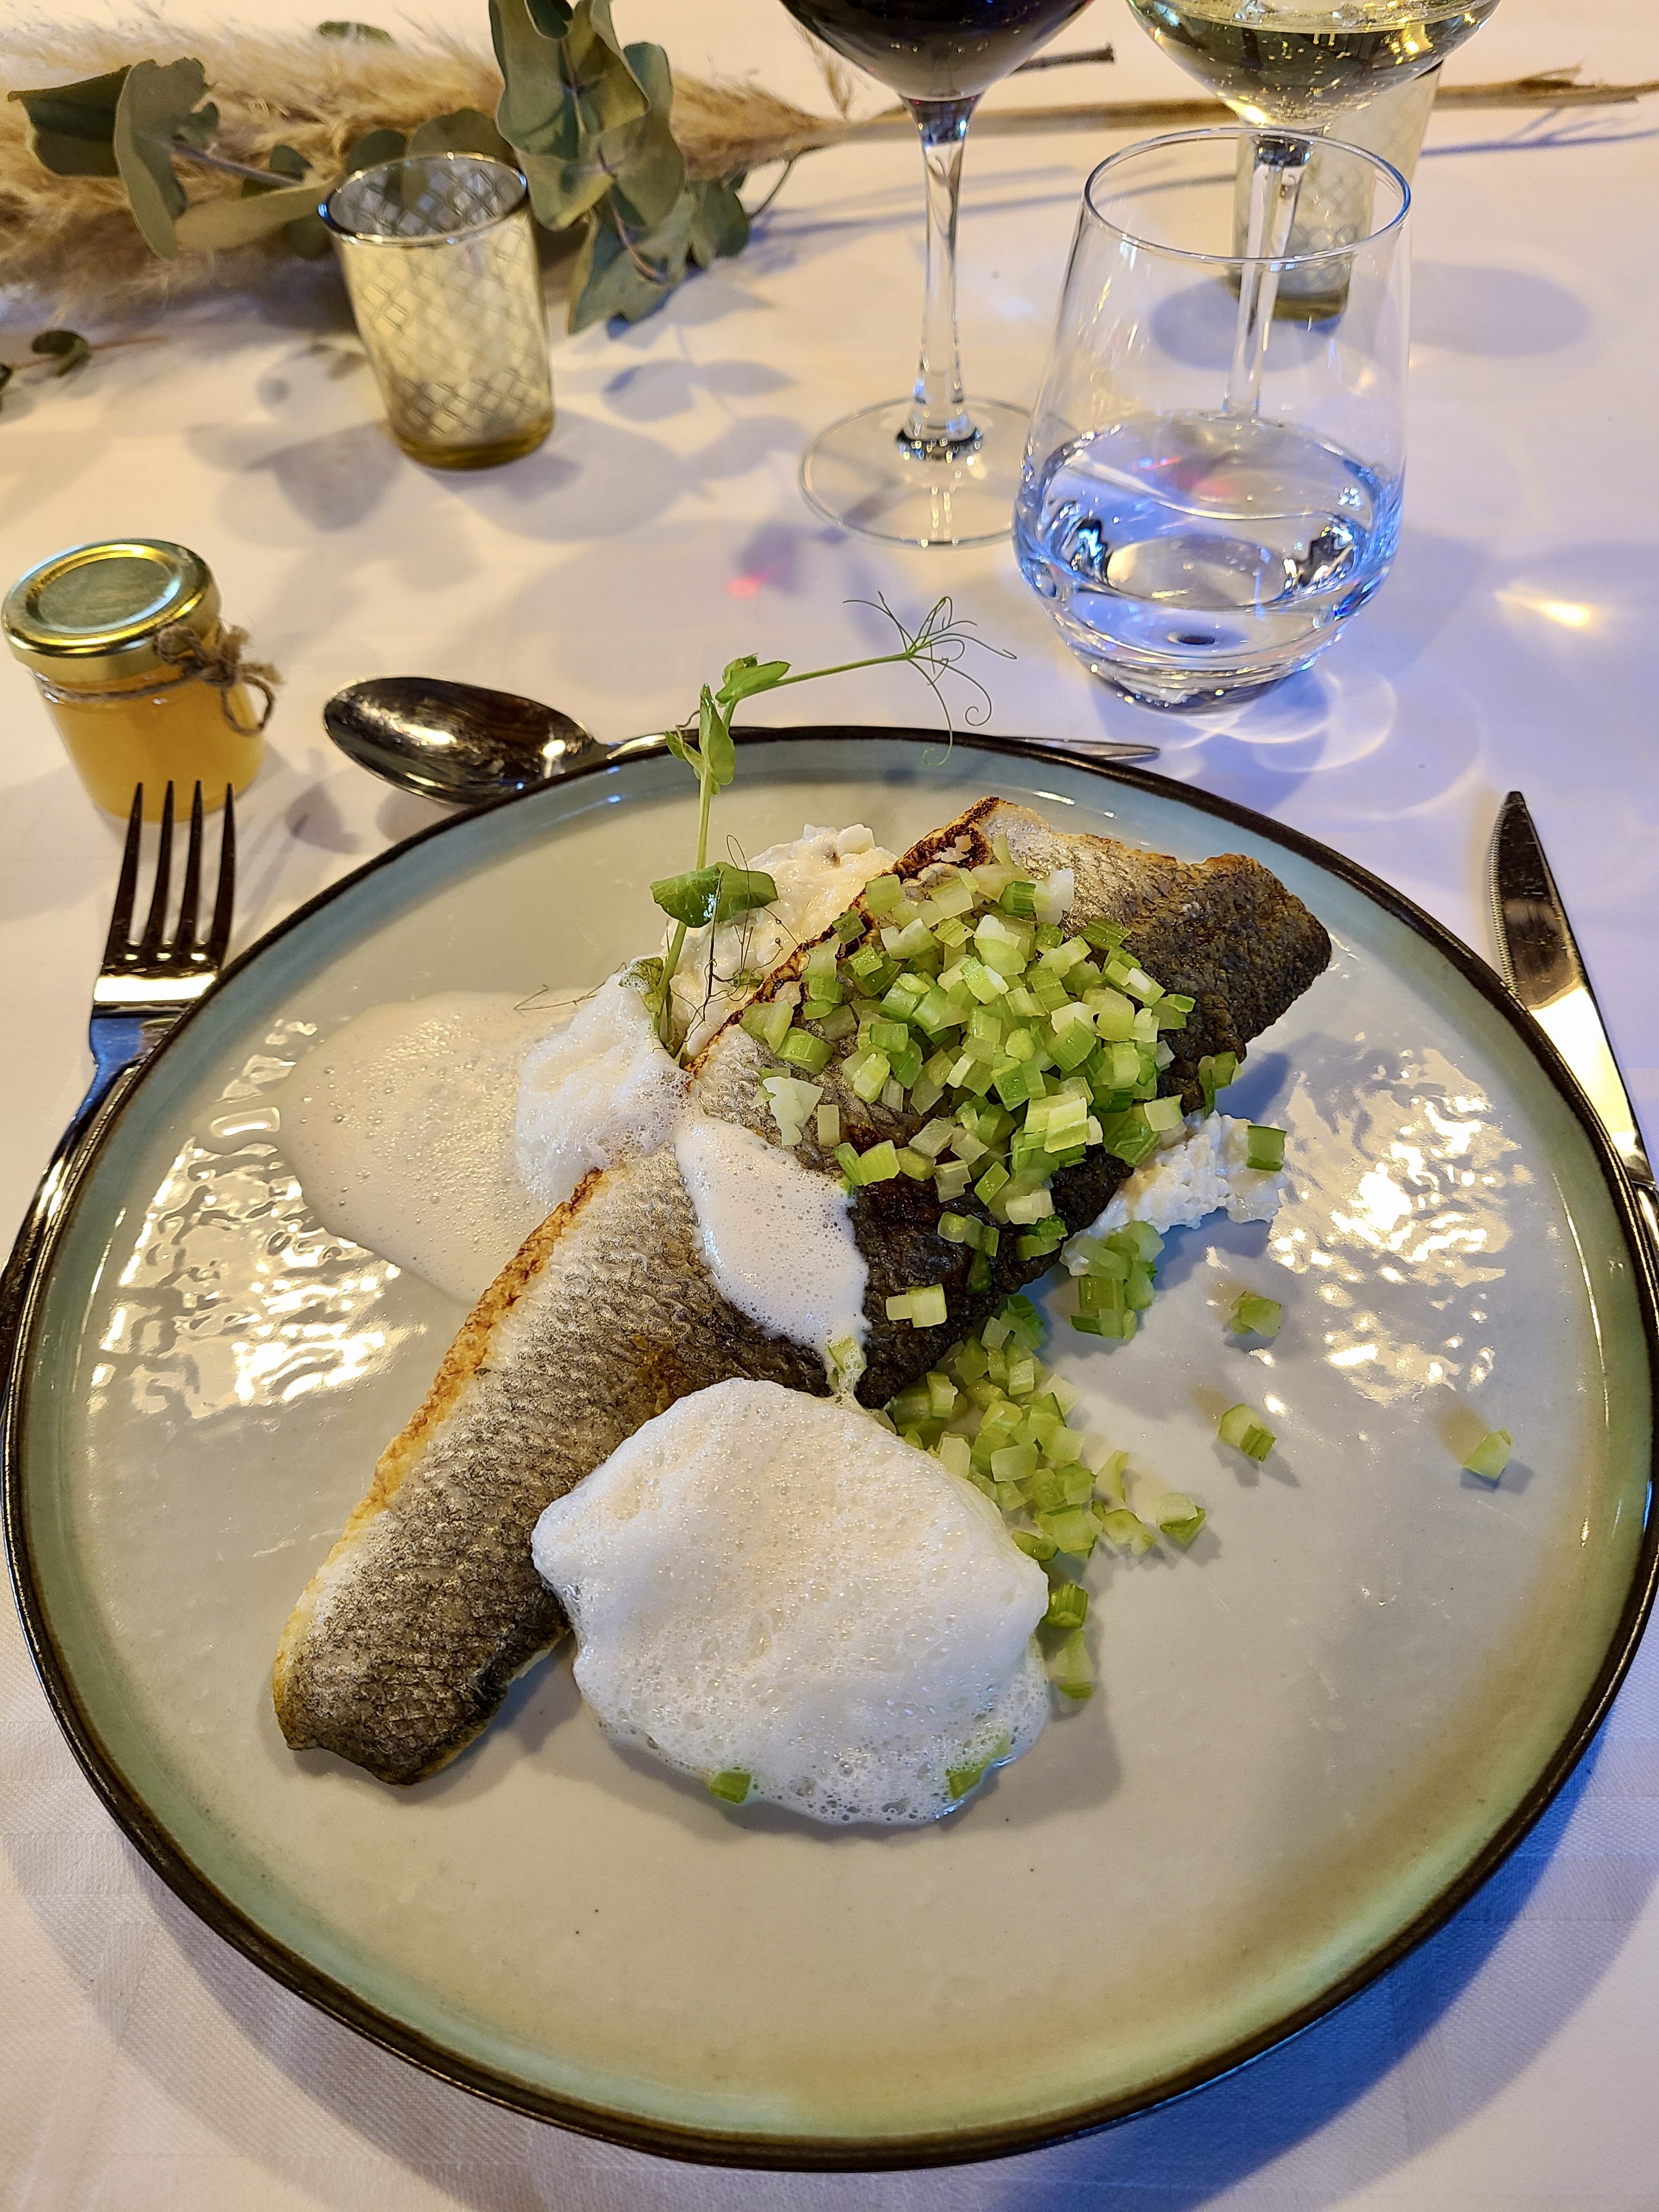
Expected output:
(403, 1646)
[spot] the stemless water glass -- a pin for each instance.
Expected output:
(1188, 546)
(439, 256)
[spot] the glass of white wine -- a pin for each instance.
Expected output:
(1301, 65)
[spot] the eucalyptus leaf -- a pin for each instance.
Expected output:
(571, 108)
(720, 222)
(373, 148)
(651, 179)
(369, 35)
(308, 236)
(219, 226)
(68, 349)
(466, 130)
(156, 106)
(713, 894)
(610, 280)
(72, 126)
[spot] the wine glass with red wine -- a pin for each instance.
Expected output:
(935, 469)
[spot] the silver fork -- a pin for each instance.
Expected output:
(142, 991)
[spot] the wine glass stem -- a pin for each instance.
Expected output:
(1275, 186)
(939, 427)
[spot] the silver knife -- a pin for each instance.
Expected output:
(1542, 967)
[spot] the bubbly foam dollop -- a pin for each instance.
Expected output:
(599, 1091)
(400, 1128)
(818, 875)
(777, 1237)
(765, 1583)
(1202, 1171)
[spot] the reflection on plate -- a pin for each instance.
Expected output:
(1312, 1734)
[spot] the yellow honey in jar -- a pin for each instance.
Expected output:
(141, 680)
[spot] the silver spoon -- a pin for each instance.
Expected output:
(455, 742)
(462, 744)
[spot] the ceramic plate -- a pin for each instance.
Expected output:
(1314, 1732)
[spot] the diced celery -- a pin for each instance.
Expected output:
(927, 1307)
(1073, 1528)
(880, 1163)
(888, 1036)
(910, 1406)
(892, 1095)
(952, 1178)
(1020, 896)
(1022, 1377)
(994, 1179)
(846, 1159)
(1490, 1455)
(1109, 1478)
(1264, 1148)
(906, 1065)
(1070, 1670)
(914, 1165)
(829, 1128)
(769, 1023)
(883, 893)
(1139, 1239)
(1034, 1545)
(943, 1396)
(1178, 1516)
(953, 1452)
(1021, 1318)
(1243, 1428)
(1031, 1206)
(1252, 1315)
(866, 1072)
(1014, 1463)
(931, 1140)
(731, 1784)
(1068, 1606)
(1161, 1114)
(801, 1049)
(1126, 1531)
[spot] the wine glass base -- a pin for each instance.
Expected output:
(857, 474)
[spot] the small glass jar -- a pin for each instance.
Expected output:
(143, 683)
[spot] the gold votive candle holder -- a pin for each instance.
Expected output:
(439, 256)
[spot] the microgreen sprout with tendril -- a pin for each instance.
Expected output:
(706, 895)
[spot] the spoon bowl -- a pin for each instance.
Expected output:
(460, 744)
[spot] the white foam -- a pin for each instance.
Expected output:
(1201, 1172)
(765, 1581)
(400, 1129)
(778, 1237)
(602, 1088)
(818, 875)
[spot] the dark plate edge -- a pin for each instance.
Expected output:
(18, 1318)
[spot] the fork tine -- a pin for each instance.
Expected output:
(219, 933)
(120, 922)
(184, 937)
(150, 944)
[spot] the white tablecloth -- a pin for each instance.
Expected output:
(1510, 2061)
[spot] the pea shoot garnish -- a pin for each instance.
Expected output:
(709, 894)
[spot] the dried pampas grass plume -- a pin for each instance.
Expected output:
(69, 244)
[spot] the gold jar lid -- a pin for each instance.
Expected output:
(94, 613)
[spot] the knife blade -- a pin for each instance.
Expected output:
(1543, 968)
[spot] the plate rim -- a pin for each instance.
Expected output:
(21, 1298)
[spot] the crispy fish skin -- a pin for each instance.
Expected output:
(406, 1641)
(404, 1645)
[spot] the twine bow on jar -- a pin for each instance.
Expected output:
(217, 661)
